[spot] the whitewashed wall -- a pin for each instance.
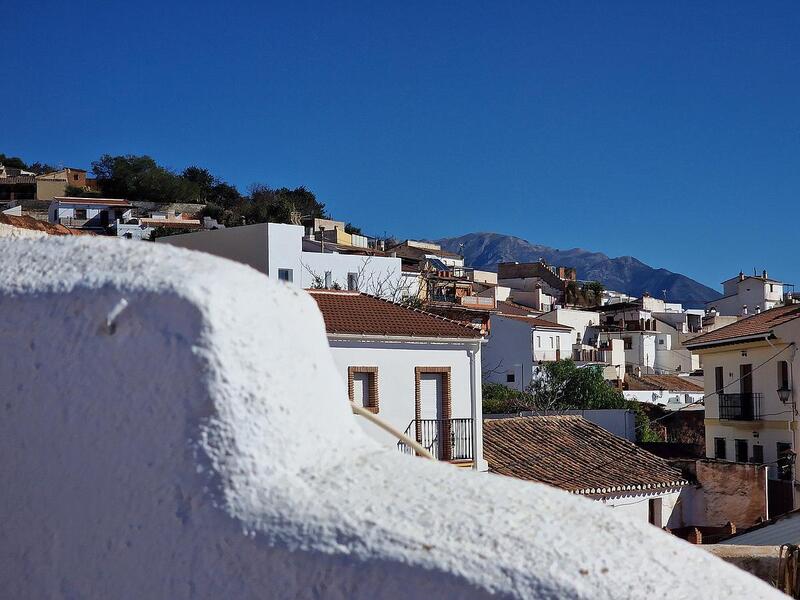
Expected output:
(376, 273)
(508, 350)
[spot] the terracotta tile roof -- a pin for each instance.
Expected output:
(671, 383)
(573, 454)
(362, 314)
(537, 322)
(760, 324)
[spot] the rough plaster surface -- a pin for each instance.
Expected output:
(202, 447)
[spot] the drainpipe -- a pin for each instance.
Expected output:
(476, 404)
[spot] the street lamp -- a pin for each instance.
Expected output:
(784, 394)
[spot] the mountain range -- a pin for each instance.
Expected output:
(624, 273)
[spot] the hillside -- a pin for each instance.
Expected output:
(625, 273)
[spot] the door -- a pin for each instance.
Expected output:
(746, 389)
(361, 389)
(430, 430)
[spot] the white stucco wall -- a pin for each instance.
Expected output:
(637, 506)
(377, 275)
(550, 344)
(212, 454)
(752, 291)
(508, 350)
(579, 320)
(396, 377)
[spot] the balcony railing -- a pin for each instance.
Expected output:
(446, 439)
(740, 407)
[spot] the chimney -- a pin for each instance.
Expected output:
(758, 308)
(744, 309)
(741, 275)
(764, 274)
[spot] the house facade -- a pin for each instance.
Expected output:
(89, 213)
(419, 372)
(749, 392)
(747, 295)
(518, 344)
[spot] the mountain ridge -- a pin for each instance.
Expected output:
(484, 250)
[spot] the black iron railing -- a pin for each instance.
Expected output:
(740, 407)
(446, 439)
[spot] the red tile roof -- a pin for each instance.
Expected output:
(362, 314)
(671, 383)
(761, 324)
(536, 322)
(573, 454)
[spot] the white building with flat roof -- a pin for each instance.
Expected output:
(281, 251)
(748, 295)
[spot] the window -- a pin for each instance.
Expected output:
(352, 281)
(661, 341)
(784, 460)
(285, 275)
(719, 448)
(510, 377)
(75, 177)
(328, 280)
(362, 387)
(741, 450)
(783, 375)
(758, 454)
(628, 343)
(552, 343)
(655, 511)
(719, 379)
(538, 341)
(80, 213)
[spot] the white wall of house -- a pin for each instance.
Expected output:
(751, 291)
(638, 506)
(275, 248)
(663, 397)
(57, 211)
(551, 344)
(507, 355)
(579, 320)
(641, 351)
(377, 275)
(396, 362)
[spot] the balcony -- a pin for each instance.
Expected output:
(445, 439)
(740, 407)
(485, 302)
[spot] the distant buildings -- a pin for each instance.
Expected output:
(748, 295)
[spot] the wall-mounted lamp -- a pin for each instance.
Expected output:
(784, 394)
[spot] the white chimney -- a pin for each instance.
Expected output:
(744, 309)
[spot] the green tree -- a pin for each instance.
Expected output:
(350, 228)
(140, 178)
(15, 162)
(562, 385)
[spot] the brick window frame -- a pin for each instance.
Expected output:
(372, 386)
(447, 404)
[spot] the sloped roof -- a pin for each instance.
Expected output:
(507, 307)
(755, 325)
(671, 383)
(362, 314)
(98, 201)
(573, 454)
(536, 322)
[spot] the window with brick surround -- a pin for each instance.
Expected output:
(362, 387)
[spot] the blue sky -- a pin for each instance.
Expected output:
(668, 131)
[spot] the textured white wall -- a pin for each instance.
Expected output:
(211, 454)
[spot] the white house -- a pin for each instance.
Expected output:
(90, 213)
(669, 391)
(281, 251)
(750, 400)
(419, 372)
(747, 295)
(518, 343)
